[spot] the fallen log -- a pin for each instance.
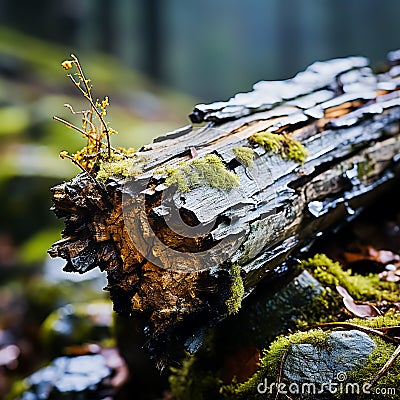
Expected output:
(191, 223)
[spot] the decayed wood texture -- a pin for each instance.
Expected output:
(345, 115)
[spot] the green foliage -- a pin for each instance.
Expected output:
(281, 144)
(234, 302)
(361, 287)
(13, 120)
(208, 170)
(245, 155)
(77, 324)
(34, 249)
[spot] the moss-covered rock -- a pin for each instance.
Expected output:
(270, 365)
(302, 303)
(378, 358)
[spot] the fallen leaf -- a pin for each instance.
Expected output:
(372, 254)
(353, 257)
(392, 331)
(363, 310)
(115, 362)
(242, 365)
(391, 274)
(9, 356)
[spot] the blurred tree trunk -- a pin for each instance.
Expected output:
(153, 36)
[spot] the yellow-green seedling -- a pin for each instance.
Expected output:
(95, 128)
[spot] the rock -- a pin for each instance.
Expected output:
(68, 375)
(77, 324)
(344, 352)
(91, 376)
(267, 315)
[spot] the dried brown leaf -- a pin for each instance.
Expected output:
(363, 310)
(241, 365)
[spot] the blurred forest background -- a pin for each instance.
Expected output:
(155, 59)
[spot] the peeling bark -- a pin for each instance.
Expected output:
(169, 254)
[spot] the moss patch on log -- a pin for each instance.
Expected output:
(234, 302)
(208, 170)
(121, 164)
(245, 155)
(361, 287)
(281, 144)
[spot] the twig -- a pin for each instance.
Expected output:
(365, 329)
(278, 380)
(97, 183)
(387, 366)
(88, 95)
(74, 161)
(71, 126)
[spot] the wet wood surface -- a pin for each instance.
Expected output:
(169, 254)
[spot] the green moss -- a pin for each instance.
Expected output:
(389, 319)
(374, 363)
(364, 168)
(282, 145)
(369, 287)
(193, 381)
(245, 155)
(378, 358)
(208, 170)
(181, 176)
(120, 166)
(234, 302)
(270, 363)
(323, 308)
(271, 360)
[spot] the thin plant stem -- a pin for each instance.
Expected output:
(88, 95)
(71, 126)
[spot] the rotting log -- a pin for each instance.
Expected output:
(185, 235)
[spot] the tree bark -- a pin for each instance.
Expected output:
(181, 259)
